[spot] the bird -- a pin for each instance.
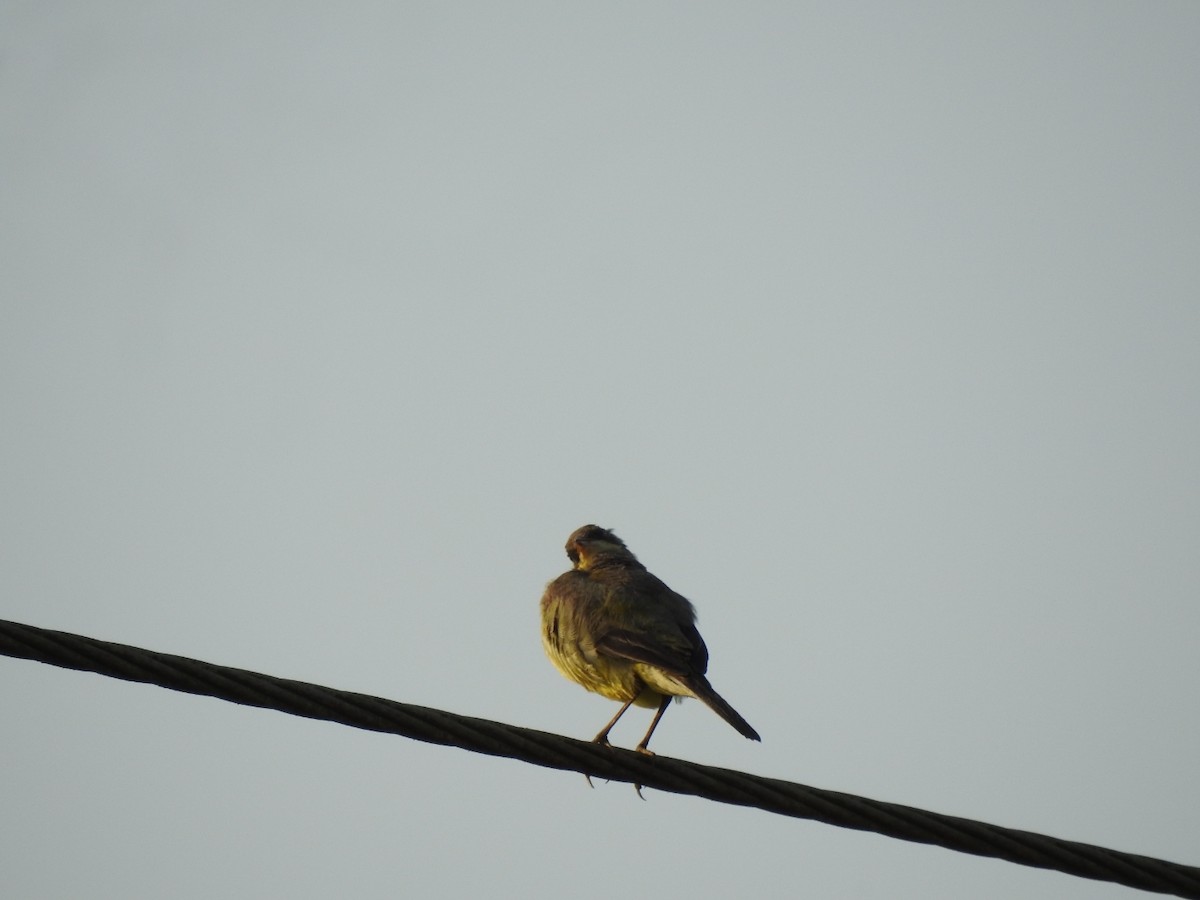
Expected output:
(611, 626)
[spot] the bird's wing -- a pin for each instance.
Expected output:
(676, 659)
(699, 657)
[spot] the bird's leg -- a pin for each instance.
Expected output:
(642, 748)
(662, 708)
(602, 737)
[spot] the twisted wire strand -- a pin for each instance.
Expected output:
(553, 751)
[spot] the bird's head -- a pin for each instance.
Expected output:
(592, 544)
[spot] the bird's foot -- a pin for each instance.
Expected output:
(645, 751)
(602, 740)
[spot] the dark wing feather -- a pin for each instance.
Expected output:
(679, 660)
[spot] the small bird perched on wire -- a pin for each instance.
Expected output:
(611, 626)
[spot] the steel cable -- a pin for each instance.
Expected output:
(553, 751)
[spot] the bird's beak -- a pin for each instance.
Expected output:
(580, 558)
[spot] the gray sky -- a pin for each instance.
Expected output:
(873, 329)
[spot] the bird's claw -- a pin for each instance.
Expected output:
(645, 751)
(602, 740)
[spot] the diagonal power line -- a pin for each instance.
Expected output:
(553, 751)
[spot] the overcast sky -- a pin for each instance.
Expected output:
(874, 329)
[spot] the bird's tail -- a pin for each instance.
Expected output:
(704, 691)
